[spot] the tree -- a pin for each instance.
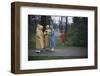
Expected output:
(77, 33)
(45, 20)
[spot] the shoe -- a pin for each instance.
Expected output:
(52, 49)
(37, 51)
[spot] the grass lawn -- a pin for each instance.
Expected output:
(52, 57)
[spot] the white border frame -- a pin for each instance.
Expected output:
(25, 64)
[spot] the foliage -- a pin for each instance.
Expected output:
(77, 33)
(31, 32)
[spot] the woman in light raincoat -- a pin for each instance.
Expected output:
(46, 37)
(39, 38)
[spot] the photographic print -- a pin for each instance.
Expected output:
(57, 37)
(52, 37)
